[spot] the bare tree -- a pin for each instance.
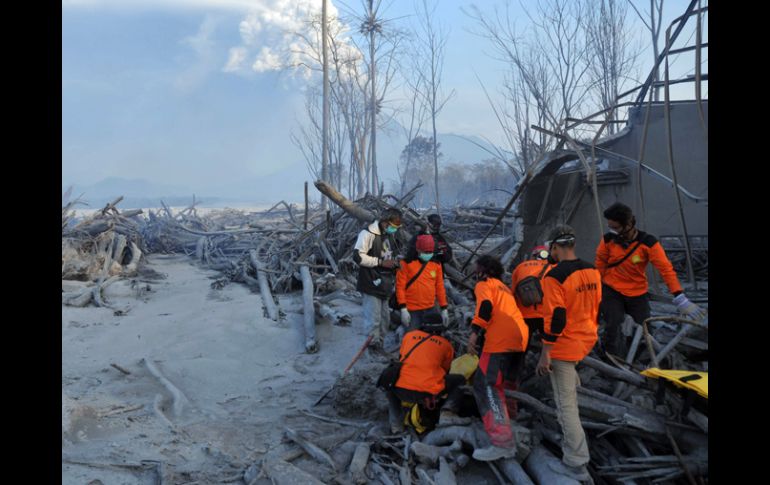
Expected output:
(552, 62)
(654, 26)
(431, 43)
(383, 48)
(308, 138)
(613, 53)
(412, 126)
(350, 87)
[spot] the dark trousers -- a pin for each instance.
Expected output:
(449, 398)
(418, 316)
(614, 308)
(496, 373)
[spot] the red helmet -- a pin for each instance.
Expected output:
(425, 243)
(540, 252)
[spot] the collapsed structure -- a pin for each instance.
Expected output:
(641, 428)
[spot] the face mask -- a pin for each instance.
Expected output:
(613, 232)
(425, 256)
(551, 260)
(391, 229)
(435, 228)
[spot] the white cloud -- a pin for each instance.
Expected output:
(269, 36)
(235, 59)
(268, 33)
(206, 62)
(266, 60)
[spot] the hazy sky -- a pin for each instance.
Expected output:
(169, 90)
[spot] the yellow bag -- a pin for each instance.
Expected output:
(465, 365)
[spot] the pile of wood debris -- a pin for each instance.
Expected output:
(639, 430)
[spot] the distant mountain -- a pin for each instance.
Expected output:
(115, 186)
(286, 184)
(137, 193)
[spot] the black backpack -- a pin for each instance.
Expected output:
(529, 291)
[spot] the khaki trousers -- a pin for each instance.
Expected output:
(565, 380)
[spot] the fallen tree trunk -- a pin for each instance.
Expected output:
(347, 205)
(358, 463)
(615, 372)
(537, 466)
(514, 472)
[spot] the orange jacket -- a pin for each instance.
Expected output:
(423, 293)
(572, 293)
(498, 314)
(629, 278)
(528, 268)
(426, 367)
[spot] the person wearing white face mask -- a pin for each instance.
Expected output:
(374, 252)
(419, 283)
(622, 258)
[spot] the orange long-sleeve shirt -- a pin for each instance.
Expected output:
(498, 314)
(425, 290)
(572, 293)
(528, 268)
(426, 367)
(629, 278)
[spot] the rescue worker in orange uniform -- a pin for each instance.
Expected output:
(533, 315)
(505, 337)
(622, 258)
(572, 292)
(424, 377)
(425, 280)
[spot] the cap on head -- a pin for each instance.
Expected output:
(425, 243)
(434, 219)
(562, 235)
(432, 323)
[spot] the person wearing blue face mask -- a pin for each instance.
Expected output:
(419, 283)
(375, 253)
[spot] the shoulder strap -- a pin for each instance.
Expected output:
(542, 271)
(415, 346)
(414, 278)
(616, 263)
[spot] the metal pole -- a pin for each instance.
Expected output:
(670, 146)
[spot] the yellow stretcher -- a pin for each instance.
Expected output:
(697, 381)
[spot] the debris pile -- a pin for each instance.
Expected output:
(640, 429)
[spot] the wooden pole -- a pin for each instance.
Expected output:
(311, 346)
(325, 127)
(304, 224)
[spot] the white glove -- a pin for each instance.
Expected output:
(688, 308)
(405, 317)
(445, 317)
